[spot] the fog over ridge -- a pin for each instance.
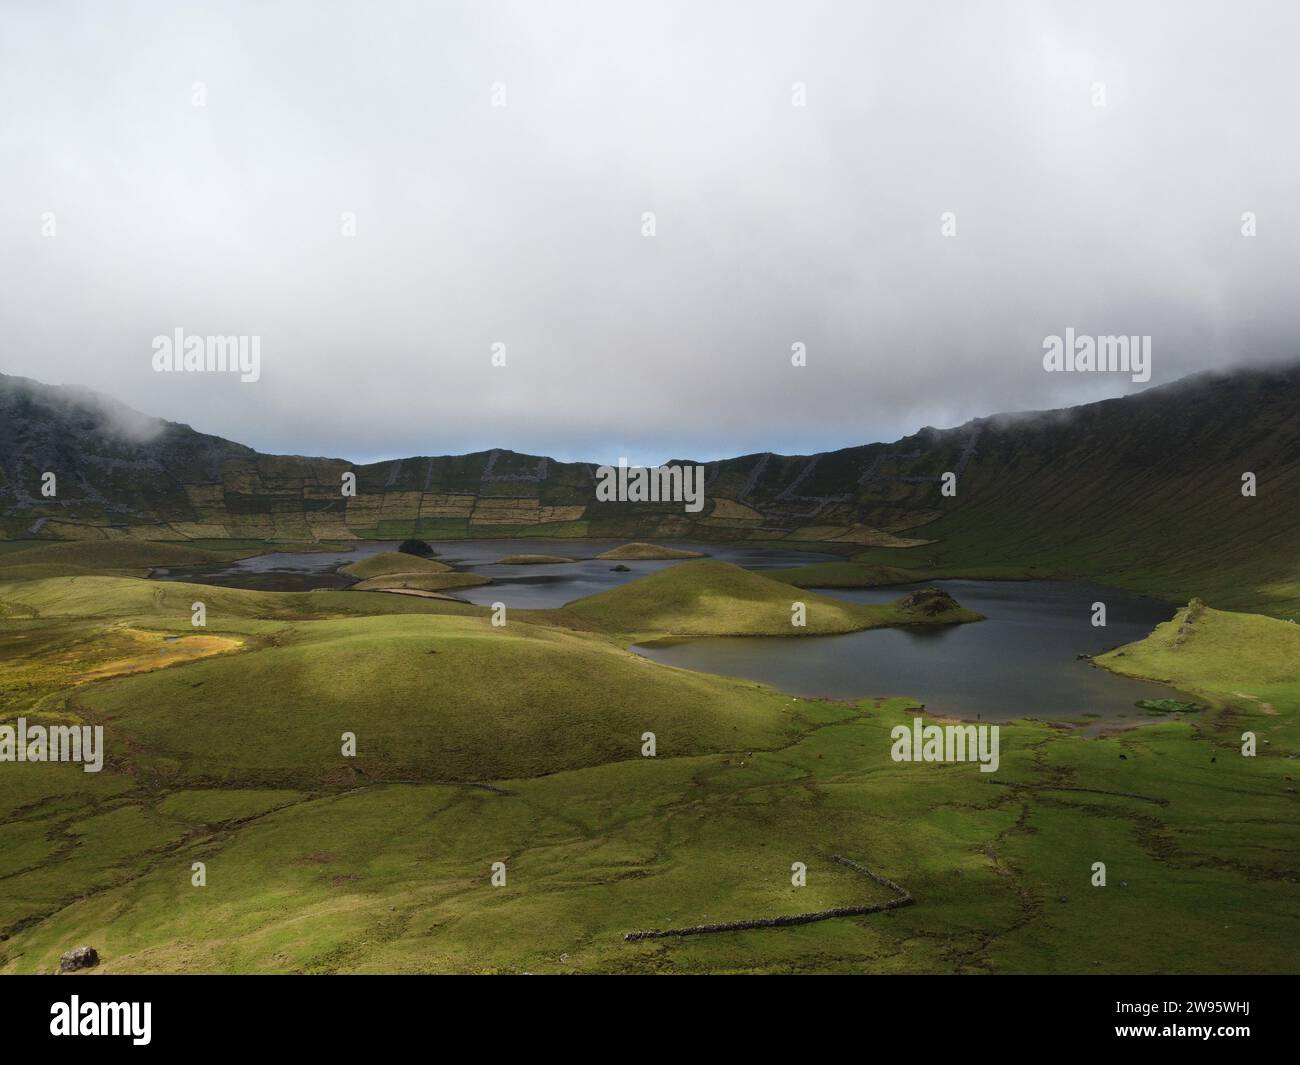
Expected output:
(522, 224)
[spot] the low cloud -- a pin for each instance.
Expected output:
(522, 225)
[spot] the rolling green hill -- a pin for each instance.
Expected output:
(708, 598)
(387, 563)
(1244, 660)
(396, 570)
(421, 582)
(411, 689)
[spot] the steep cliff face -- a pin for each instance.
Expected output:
(1156, 475)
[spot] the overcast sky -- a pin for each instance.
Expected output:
(522, 224)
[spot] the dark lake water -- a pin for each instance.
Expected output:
(516, 586)
(552, 586)
(1019, 662)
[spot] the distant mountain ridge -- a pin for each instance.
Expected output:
(1146, 471)
(121, 473)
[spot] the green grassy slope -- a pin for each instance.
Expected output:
(395, 570)
(1249, 666)
(395, 878)
(422, 582)
(1142, 493)
(719, 599)
(432, 689)
(413, 690)
(387, 563)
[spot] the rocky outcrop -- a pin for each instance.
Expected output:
(1187, 621)
(929, 601)
(79, 958)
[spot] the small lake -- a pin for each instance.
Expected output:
(552, 586)
(1021, 661)
(516, 586)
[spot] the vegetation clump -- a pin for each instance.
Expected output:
(1167, 706)
(416, 547)
(929, 601)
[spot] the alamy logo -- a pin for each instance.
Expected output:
(214, 354)
(1082, 354)
(651, 484)
(103, 1018)
(946, 743)
(53, 743)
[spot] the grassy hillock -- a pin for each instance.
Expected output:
(396, 570)
(421, 582)
(646, 552)
(709, 598)
(1247, 664)
(533, 560)
(387, 563)
(429, 698)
